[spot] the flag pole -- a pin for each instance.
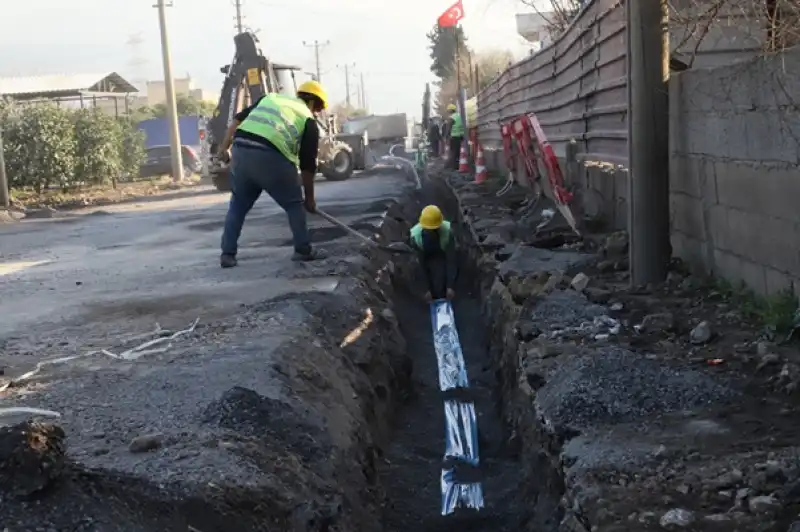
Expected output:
(462, 97)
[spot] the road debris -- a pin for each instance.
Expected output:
(146, 348)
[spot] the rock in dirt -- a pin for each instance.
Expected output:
(146, 443)
(764, 504)
(701, 334)
(598, 295)
(580, 282)
(676, 518)
(794, 527)
(616, 244)
(31, 457)
(660, 322)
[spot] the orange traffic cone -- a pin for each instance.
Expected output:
(463, 164)
(481, 174)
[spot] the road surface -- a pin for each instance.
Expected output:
(75, 279)
(264, 372)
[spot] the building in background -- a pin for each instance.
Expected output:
(156, 93)
(108, 92)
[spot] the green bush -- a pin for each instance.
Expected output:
(98, 141)
(39, 143)
(46, 145)
(132, 146)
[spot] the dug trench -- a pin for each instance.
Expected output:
(314, 411)
(338, 425)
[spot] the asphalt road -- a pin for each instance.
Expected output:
(260, 376)
(76, 280)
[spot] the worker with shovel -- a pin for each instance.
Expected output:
(433, 239)
(270, 140)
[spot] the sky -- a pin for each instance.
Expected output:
(388, 45)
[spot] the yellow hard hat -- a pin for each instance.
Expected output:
(431, 217)
(452, 107)
(314, 88)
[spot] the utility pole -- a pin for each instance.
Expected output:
(347, 81)
(363, 94)
(169, 89)
(317, 45)
(648, 140)
(5, 198)
(239, 26)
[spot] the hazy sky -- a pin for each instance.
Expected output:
(388, 45)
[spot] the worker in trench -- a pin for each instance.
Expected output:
(456, 134)
(265, 145)
(433, 239)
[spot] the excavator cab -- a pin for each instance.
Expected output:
(248, 77)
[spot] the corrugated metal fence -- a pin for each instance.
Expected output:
(577, 87)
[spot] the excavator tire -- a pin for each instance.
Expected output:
(221, 180)
(341, 165)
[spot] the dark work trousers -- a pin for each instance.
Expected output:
(455, 151)
(255, 169)
(435, 268)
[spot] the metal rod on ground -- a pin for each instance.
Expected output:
(5, 197)
(648, 140)
(169, 89)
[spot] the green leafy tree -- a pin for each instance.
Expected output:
(132, 148)
(184, 104)
(443, 49)
(40, 146)
(98, 139)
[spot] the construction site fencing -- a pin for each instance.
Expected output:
(577, 88)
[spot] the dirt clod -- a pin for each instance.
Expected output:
(32, 457)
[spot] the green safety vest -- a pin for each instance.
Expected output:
(280, 120)
(444, 235)
(458, 126)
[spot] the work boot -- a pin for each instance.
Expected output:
(226, 260)
(308, 255)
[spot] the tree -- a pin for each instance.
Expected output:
(558, 14)
(443, 49)
(40, 146)
(98, 140)
(491, 64)
(344, 112)
(186, 106)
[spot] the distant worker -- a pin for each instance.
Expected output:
(435, 137)
(456, 130)
(434, 241)
(271, 139)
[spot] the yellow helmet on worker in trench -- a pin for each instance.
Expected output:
(314, 88)
(431, 217)
(452, 107)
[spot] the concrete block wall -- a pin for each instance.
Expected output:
(735, 171)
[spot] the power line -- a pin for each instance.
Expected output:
(317, 45)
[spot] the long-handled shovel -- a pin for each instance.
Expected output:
(394, 247)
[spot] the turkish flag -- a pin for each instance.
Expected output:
(452, 16)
